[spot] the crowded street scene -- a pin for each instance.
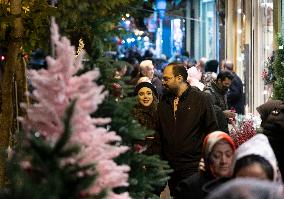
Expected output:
(141, 99)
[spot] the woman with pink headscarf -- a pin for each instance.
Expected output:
(218, 153)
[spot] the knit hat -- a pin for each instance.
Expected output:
(257, 145)
(211, 139)
(145, 84)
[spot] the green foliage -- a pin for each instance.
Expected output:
(278, 68)
(90, 19)
(35, 18)
(46, 177)
(148, 174)
(77, 19)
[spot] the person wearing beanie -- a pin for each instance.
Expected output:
(256, 159)
(272, 125)
(218, 151)
(144, 111)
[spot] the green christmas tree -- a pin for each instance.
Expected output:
(147, 173)
(278, 68)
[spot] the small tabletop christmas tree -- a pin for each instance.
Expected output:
(65, 152)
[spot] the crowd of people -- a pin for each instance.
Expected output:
(190, 107)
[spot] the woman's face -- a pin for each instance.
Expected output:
(145, 96)
(253, 171)
(221, 159)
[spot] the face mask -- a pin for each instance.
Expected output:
(225, 89)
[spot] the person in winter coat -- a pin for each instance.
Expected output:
(144, 111)
(218, 152)
(272, 116)
(235, 94)
(185, 117)
(217, 91)
(256, 159)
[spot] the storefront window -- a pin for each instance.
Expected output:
(266, 14)
(208, 30)
(177, 36)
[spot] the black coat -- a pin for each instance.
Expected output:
(182, 137)
(235, 97)
(192, 187)
(219, 101)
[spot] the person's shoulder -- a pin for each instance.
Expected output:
(237, 79)
(191, 180)
(198, 93)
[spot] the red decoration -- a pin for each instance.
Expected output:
(243, 132)
(138, 148)
(117, 90)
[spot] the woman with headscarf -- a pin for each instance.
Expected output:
(256, 159)
(144, 111)
(218, 152)
(253, 159)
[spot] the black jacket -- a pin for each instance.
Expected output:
(181, 138)
(192, 187)
(236, 96)
(219, 101)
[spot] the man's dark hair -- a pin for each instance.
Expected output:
(179, 69)
(225, 74)
(211, 66)
(252, 159)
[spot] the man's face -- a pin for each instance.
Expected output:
(149, 72)
(224, 85)
(221, 159)
(169, 81)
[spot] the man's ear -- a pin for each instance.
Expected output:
(180, 78)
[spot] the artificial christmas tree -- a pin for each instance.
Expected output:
(72, 158)
(278, 70)
(271, 112)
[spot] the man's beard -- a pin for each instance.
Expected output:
(170, 91)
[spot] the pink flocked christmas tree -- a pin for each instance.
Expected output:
(54, 89)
